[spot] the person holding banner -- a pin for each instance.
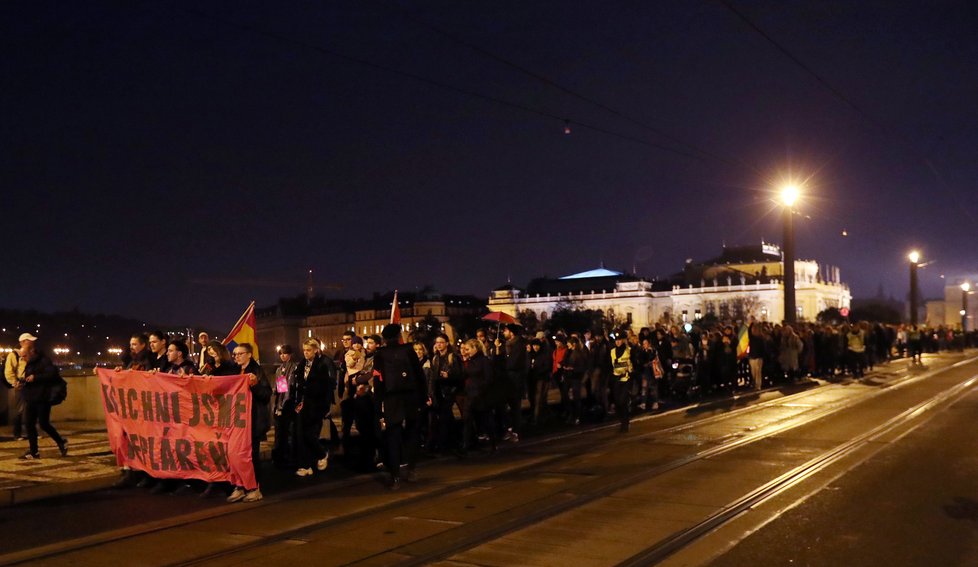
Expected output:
(314, 382)
(261, 395)
(222, 365)
(178, 359)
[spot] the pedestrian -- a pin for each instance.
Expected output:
(512, 348)
(283, 452)
(445, 393)
(476, 411)
(158, 341)
(575, 367)
(315, 381)
(599, 365)
(178, 360)
(261, 394)
(422, 353)
(789, 352)
(621, 369)
(40, 377)
(204, 359)
(540, 361)
(136, 358)
(757, 345)
(401, 391)
(13, 372)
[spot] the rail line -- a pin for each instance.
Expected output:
(684, 538)
(602, 488)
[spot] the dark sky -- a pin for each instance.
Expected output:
(173, 161)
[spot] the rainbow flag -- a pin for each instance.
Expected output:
(743, 342)
(243, 331)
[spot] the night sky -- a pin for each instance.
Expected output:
(172, 161)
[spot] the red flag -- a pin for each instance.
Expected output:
(395, 311)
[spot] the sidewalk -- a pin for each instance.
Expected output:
(88, 466)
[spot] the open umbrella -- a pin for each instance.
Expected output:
(499, 317)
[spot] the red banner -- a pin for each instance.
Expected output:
(180, 426)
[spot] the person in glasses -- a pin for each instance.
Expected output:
(261, 394)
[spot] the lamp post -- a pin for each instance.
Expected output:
(789, 194)
(965, 288)
(914, 258)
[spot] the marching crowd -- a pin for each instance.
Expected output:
(395, 400)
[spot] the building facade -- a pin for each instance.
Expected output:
(954, 310)
(293, 320)
(742, 283)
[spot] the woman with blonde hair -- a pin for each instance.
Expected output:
(314, 383)
(476, 410)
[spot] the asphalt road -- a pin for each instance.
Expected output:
(868, 472)
(913, 503)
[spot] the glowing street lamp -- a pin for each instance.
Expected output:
(914, 258)
(789, 196)
(965, 289)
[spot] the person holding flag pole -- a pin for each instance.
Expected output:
(241, 342)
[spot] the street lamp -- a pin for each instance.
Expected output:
(914, 258)
(789, 195)
(965, 288)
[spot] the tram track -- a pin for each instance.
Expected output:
(684, 538)
(493, 527)
(602, 487)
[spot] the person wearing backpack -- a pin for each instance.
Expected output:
(40, 376)
(401, 390)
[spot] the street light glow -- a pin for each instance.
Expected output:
(965, 287)
(914, 257)
(789, 194)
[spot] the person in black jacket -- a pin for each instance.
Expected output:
(40, 375)
(445, 392)
(314, 383)
(511, 351)
(477, 409)
(261, 395)
(401, 390)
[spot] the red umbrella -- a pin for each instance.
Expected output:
(500, 318)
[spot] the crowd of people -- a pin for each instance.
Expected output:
(395, 400)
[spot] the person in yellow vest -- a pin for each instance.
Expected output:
(621, 369)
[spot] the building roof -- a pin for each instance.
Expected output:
(601, 272)
(751, 254)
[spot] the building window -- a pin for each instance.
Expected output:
(697, 315)
(685, 315)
